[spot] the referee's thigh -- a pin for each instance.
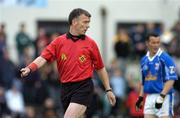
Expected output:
(75, 110)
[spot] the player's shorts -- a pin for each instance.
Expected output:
(167, 107)
(77, 92)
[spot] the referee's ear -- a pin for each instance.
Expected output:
(74, 21)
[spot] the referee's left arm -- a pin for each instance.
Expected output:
(104, 78)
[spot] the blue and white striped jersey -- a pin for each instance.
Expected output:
(156, 71)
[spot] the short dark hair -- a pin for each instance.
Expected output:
(148, 35)
(76, 13)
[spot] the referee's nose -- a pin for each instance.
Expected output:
(87, 26)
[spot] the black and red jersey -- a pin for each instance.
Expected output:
(76, 60)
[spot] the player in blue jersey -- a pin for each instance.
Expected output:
(158, 77)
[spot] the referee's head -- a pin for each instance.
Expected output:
(75, 13)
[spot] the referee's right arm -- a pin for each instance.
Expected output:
(37, 63)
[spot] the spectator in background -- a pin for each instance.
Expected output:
(15, 101)
(4, 111)
(174, 47)
(50, 110)
(132, 75)
(113, 66)
(34, 89)
(53, 85)
(53, 36)
(30, 112)
(118, 84)
(166, 39)
(3, 45)
(152, 27)
(2, 48)
(131, 102)
(176, 30)
(23, 42)
(3, 33)
(122, 45)
(41, 41)
(7, 70)
(137, 35)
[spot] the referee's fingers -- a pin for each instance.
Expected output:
(112, 100)
(23, 72)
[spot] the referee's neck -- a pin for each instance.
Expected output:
(73, 32)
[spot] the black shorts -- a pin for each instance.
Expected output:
(77, 92)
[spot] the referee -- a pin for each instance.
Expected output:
(77, 55)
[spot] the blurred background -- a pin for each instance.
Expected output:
(118, 27)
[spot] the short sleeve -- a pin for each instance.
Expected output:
(170, 68)
(49, 52)
(96, 57)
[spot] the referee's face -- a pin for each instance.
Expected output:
(82, 24)
(153, 44)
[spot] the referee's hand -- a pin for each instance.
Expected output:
(111, 98)
(25, 72)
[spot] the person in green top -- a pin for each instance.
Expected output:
(23, 42)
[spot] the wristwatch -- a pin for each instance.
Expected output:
(108, 90)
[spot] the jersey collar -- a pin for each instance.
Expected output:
(158, 53)
(75, 38)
